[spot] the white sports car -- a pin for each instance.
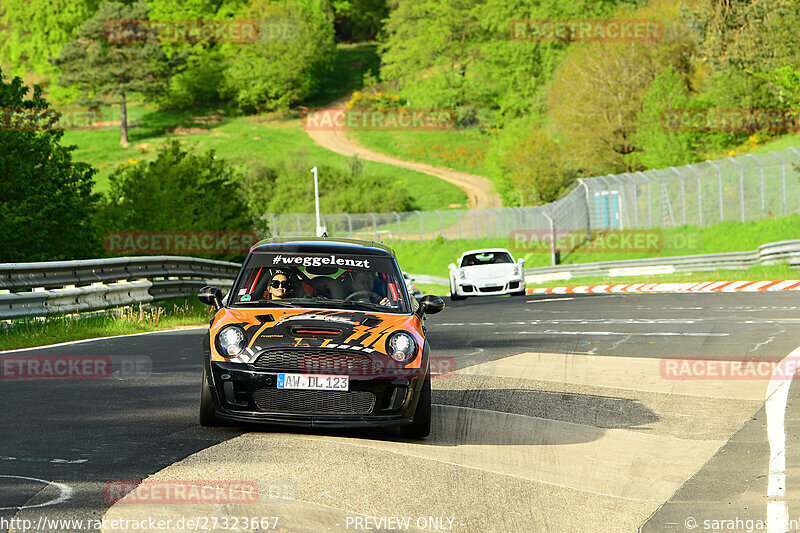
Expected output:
(486, 272)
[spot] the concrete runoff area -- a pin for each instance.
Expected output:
(561, 416)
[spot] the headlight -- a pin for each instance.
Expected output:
(231, 341)
(401, 347)
(461, 274)
(516, 270)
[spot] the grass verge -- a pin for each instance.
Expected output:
(169, 314)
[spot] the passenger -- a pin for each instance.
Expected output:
(279, 287)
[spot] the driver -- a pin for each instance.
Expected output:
(364, 281)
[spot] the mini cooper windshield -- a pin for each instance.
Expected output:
(328, 280)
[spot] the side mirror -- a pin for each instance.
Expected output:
(211, 296)
(431, 304)
(521, 261)
(451, 266)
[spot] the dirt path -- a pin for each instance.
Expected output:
(479, 189)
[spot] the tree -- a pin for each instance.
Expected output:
(359, 20)
(284, 66)
(203, 76)
(32, 31)
(660, 146)
(597, 92)
(114, 69)
(46, 200)
(756, 38)
(177, 191)
(460, 55)
(536, 167)
(288, 187)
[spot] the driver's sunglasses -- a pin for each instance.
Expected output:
(275, 284)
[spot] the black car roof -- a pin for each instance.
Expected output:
(321, 244)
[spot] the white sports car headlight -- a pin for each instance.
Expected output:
(461, 274)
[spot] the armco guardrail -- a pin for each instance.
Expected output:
(41, 289)
(767, 254)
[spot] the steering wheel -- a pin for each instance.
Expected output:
(373, 297)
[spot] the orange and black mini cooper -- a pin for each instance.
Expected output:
(318, 332)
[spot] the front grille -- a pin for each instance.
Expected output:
(491, 289)
(317, 362)
(310, 402)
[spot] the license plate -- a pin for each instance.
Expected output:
(313, 382)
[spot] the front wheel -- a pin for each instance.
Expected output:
(420, 427)
(208, 418)
(453, 296)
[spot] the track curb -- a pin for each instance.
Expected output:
(698, 286)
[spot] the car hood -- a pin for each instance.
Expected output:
(270, 328)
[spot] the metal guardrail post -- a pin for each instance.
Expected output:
(783, 179)
(552, 238)
(719, 183)
(649, 200)
(665, 199)
(761, 179)
(375, 226)
(683, 194)
(349, 225)
(621, 201)
(588, 209)
(741, 185)
(397, 218)
(795, 152)
(699, 195)
(420, 224)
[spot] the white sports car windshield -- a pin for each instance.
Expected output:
(486, 258)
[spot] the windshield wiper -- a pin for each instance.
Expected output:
(356, 303)
(265, 303)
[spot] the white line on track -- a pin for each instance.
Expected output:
(614, 333)
(64, 493)
(775, 407)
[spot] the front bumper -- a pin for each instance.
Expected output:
(467, 287)
(241, 393)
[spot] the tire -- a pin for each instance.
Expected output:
(518, 293)
(208, 417)
(455, 297)
(420, 427)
